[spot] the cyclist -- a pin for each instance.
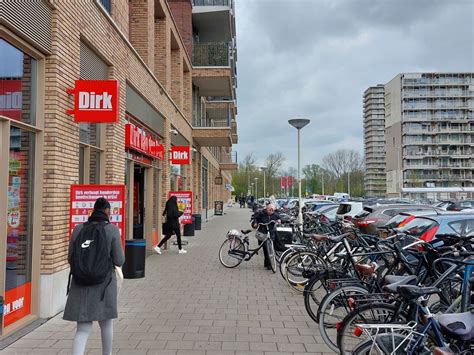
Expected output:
(265, 216)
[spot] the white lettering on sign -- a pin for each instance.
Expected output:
(180, 155)
(14, 306)
(93, 101)
(10, 101)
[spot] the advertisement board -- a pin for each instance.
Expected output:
(11, 98)
(17, 303)
(180, 155)
(137, 139)
(218, 208)
(185, 204)
(82, 202)
(95, 101)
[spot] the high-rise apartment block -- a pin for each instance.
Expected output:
(429, 131)
(374, 141)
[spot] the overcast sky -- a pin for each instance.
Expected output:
(315, 58)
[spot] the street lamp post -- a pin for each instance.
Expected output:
(256, 188)
(299, 123)
(264, 168)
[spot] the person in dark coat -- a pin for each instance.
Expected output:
(86, 304)
(265, 216)
(171, 226)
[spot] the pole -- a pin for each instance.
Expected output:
(264, 189)
(349, 183)
(300, 215)
(322, 182)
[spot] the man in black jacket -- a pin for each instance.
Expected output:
(265, 216)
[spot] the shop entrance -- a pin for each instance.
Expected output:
(139, 181)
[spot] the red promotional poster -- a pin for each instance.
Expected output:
(10, 98)
(180, 155)
(137, 139)
(185, 204)
(95, 101)
(283, 182)
(82, 202)
(17, 303)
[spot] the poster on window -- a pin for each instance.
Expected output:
(185, 204)
(17, 303)
(11, 98)
(82, 202)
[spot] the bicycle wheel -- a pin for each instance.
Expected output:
(300, 267)
(271, 254)
(349, 336)
(230, 244)
(333, 308)
(317, 288)
(283, 259)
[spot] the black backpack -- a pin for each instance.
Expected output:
(91, 261)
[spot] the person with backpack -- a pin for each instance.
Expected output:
(95, 249)
(171, 226)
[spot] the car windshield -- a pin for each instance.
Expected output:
(395, 221)
(418, 226)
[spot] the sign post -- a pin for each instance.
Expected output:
(185, 204)
(82, 202)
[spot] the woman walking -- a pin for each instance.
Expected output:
(171, 226)
(94, 251)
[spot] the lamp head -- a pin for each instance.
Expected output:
(298, 123)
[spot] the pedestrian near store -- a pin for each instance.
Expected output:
(95, 249)
(171, 226)
(266, 216)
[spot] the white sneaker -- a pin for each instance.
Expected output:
(157, 249)
(182, 251)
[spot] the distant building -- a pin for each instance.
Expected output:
(374, 141)
(429, 131)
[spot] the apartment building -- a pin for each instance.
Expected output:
(173, 85)
(429, 131)
(374, 141)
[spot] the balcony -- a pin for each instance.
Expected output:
(214, 19)
(213, 127)
(229, 161)
(214, 69)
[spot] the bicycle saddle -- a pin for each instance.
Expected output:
(316, 237)
(245, 231)
(365, 269)
(393, 281)
(412, 292)
(459, 326)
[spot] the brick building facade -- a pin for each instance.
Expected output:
(149, 48)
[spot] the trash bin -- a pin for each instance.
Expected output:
(189, 228)
(134, 266)
(197, 221)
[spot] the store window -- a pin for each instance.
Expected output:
(178, 178)
(18, 82)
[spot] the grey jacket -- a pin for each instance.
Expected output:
(84, 302)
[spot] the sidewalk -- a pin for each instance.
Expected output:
(191, 304)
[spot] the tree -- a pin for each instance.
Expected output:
(273, 163)
(345, 165)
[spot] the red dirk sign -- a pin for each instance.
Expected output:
(95, 101)
(137, 139)
(180, 155)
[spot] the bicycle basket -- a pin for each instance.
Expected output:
(260, 236)
(283, 236)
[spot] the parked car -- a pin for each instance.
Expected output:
(373, 217)
(315, 205)
(348, 210)
(329, 212)
(427, 228)
(461, 205)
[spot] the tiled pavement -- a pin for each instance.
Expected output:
(191, 304)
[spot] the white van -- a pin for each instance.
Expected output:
(342, 196)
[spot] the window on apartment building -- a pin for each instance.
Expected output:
(107, 4)
(91, 142)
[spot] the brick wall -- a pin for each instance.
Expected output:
(142, 29)
(182, 11)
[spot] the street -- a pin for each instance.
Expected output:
(191, 304)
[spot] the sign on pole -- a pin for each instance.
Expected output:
(82, 202)
(185, 204)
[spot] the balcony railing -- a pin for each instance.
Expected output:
(211, 54)
(214, 114)
(229, 158)
(212, 2)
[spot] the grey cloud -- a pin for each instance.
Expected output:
(316, 58)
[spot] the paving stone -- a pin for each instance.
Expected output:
(192, 305)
